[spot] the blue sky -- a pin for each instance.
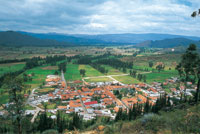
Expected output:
(100, 16)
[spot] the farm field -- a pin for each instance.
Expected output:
(72, 72)
(40, 74)
(103, 79)
(112, 71)
(160, 77)
(11, 67)
(44, 90)
(126, 79)
(90, 71)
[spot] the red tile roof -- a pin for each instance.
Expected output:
(91, 103)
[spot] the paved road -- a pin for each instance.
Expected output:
(83, 105)
(63, 79)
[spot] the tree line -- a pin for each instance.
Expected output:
(139, 76)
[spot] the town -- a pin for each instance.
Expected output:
(101, 98)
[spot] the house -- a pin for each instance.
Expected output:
(87, 116)
(91, 103)
(62, 107)
(106, 112)
(30, 112)
(53, 117)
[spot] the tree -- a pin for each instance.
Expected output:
(144, 78)
(189, 68)
(45, 122)
(159, 67)
(16, 106)
(82, 72)
(150, 64)
(195, 13)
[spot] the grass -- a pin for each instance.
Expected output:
(103, 79)
(160, 77)
(142, 68)
(112, 71)
(4, 98)
(90, 71)
(40, 74)
(49, 105)
(10, 67)
(126, 79)
(44, 90)
(72, 73)
(28, 107)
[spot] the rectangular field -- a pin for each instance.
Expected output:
(126, 79)
(111, 70)
(101, 79)
(160, 77)
(11, 67)
(72, 72)
(40, 74)
(90, 71)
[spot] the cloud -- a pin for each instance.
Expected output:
(100, 16)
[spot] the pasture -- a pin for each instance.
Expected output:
(112, 71)
(72, 72)
(40, 74)
(126, 79)
(90, 71)
(99, 79)
(160, 77)
(11, 67)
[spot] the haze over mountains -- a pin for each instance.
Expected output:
(12, 38)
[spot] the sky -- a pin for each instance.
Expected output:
(100, 16)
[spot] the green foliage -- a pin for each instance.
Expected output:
(50, 131)
(150, 64)
(72, 72)
(16, 107)
(189, 68)
(82, 72)
(11, 67)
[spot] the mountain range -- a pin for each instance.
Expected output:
(13, 38)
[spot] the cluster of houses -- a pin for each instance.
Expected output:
(92, 101)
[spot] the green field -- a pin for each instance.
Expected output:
(112, 71)
(126, 79)
(142, 68)
(103, 79)
(72, 73)
(10, 67)
(160, 77)
(44, 90)
(90, 71)
(40, 74)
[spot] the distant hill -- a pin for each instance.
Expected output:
(134, 38)
(168, 43)
(66, 38)
(11, 38)
(108, 39)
